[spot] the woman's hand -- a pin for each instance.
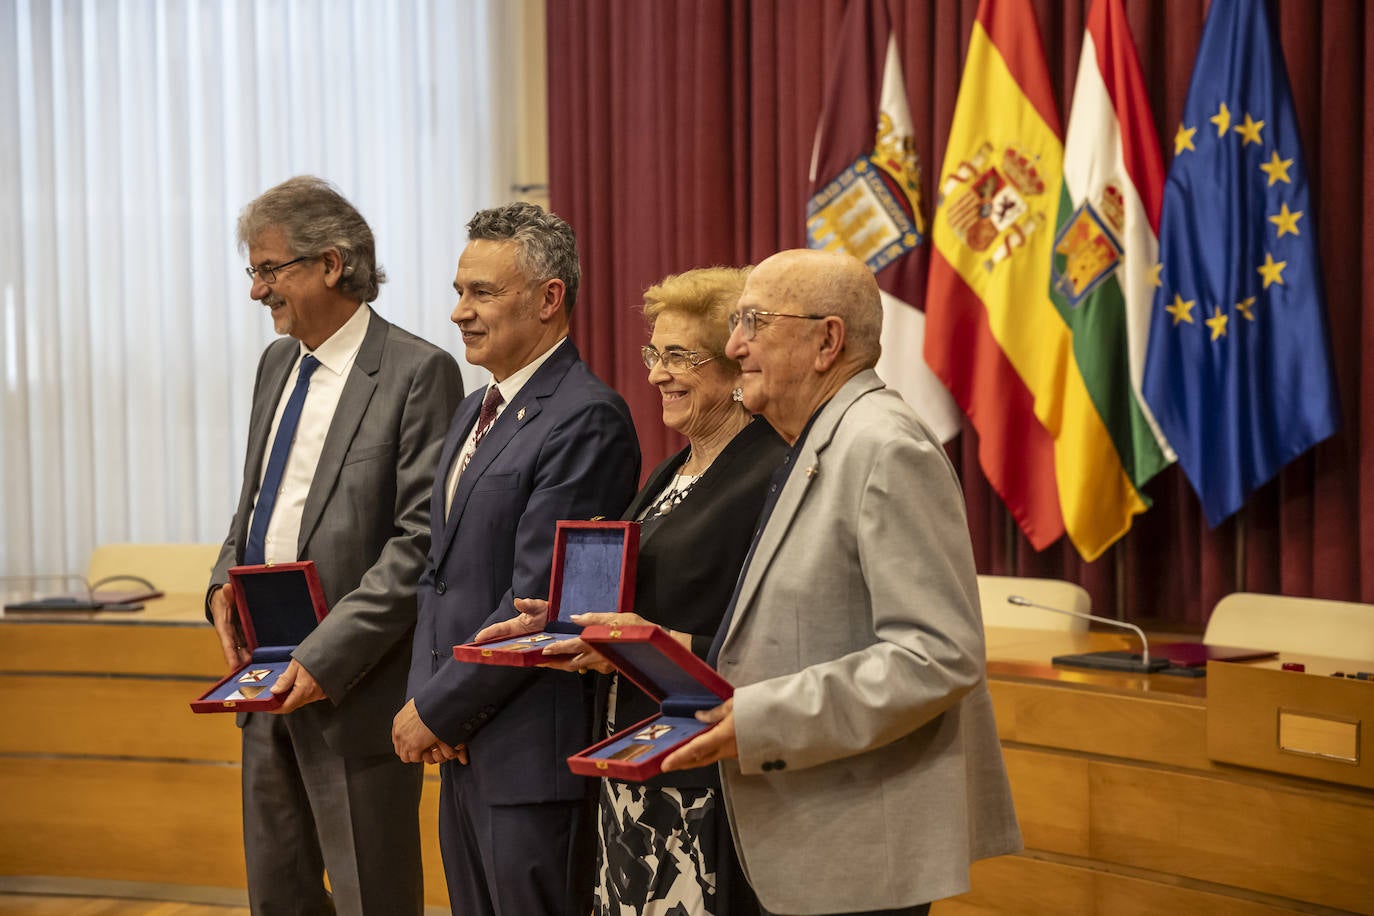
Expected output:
(575, 655)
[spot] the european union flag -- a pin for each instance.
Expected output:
(1238, 366)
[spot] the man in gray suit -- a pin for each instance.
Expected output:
(348, 416)
(861, 766)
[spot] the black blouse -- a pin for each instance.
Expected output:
(690, 558)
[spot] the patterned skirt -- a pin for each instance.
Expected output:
(657, 855)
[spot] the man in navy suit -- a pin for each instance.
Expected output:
(545, 441)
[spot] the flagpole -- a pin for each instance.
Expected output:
(1240, 550)
(1119, 571)
(1009, 531)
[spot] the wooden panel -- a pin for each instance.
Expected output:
(1245, 706)
(1051, 794)
(111, 716)
(121, 819)
(1309, 845)
(129, 820)
(27, 905)
(1025, 886)
(436, 888)
(1158, 730)
(128, 648)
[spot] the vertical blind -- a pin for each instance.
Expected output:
(135, 132)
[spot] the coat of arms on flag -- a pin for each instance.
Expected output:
(1088, 249)
(990, 204)
(864, 198)
(873, 208)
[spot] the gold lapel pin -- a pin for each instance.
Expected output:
(520, 414)
(812, 472)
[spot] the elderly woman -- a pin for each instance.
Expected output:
(665, 844)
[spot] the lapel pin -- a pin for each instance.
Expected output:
(812, 472)
(520, 414)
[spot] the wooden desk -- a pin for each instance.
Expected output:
(104, 770)
(1124, 812)
(1122, 809)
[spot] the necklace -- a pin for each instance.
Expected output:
(673, 495)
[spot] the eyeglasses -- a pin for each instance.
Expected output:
(268, 274)
(749, 319)
(674, 359)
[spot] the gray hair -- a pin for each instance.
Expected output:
(547, 247)
(315, 217)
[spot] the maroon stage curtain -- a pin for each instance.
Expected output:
(680, 134)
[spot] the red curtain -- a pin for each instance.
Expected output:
(680, 134)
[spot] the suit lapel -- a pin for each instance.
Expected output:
(806, 472)
(353, 401)
(522, 410)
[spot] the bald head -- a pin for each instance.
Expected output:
(830, 283)
(816, 320)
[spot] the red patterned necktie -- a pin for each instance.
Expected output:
(487, 417)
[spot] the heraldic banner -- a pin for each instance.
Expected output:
(865, 199)
(992, 334)
(1238, 367)
(1102, 275)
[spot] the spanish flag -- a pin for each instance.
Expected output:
(993, 333)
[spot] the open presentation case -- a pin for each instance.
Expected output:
(593, 571)
(278, 606)
(667, 671)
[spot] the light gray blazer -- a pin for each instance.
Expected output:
(365, 522)
(870, 773)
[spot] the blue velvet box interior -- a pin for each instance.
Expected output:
(589, 581)
(681, 683)
(280, 607)
(281, 613)
(665, 679)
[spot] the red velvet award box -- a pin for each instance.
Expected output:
(593, 571)
(278, 606)
(667, 671)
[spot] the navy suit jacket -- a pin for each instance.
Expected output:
(564, 448)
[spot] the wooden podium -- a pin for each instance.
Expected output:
(1136, 794)
(107, 775)
(1125, 810)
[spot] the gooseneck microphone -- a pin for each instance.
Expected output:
(1114, 661)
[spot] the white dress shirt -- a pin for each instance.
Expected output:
(509, 389)
(336, 356)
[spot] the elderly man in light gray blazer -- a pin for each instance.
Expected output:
(861, 766)
(348, 417)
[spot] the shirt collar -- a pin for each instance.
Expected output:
(512, 384)
(336, 354)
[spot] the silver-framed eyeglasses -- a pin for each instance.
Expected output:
(674, 359)
(267, 273)
(749, 320)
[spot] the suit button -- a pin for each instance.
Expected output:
(768, 766)
(774, 765)
(441, 586)
(481, 715)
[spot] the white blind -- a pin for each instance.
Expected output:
(135, 132)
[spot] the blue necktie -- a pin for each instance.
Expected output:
(254, 552)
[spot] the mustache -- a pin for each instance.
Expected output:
(272, 301)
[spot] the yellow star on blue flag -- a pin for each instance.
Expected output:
(1239, 399)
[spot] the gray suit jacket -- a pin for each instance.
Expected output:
(365, 522)
(870, 773)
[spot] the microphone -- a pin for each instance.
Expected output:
(1112, 661)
